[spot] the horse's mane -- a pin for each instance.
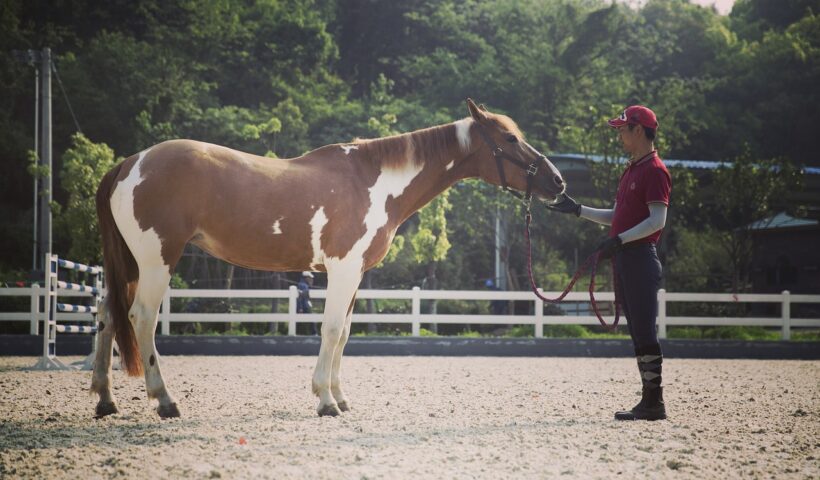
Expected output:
(434, 144)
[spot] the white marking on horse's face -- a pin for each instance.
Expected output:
(145, 245)
(463, 133)
(450, 165)
(317, 223)
(348, 148)
(277, 229)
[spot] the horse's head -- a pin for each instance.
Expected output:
(509, 161)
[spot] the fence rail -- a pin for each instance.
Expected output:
(416, 318)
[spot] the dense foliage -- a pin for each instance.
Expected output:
(280, 77)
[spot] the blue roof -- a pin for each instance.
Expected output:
(782, 220)
(670, 162)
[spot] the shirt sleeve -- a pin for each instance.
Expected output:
(658, 187)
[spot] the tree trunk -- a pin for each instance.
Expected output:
(276, 284)
(228, 285)
(371, 307)
(430, 282)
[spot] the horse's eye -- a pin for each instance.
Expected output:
(512, 139)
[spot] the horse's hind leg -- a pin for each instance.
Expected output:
(101, 378)
(153, 282)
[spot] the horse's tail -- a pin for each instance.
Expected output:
(121, 275)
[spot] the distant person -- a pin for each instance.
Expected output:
(303, 303)
(636, 221)
(497, 307)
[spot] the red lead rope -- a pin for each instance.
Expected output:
(591, 260)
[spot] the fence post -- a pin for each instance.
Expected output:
(662, 313)
(166, 312)
(539, 316)
(416, 313)
(786, 313)
(292, 296)
(35, 309)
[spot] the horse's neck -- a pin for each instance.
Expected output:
(436, 154)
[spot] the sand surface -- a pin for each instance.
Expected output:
(418, 417)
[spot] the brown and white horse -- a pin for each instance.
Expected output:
(335, 209)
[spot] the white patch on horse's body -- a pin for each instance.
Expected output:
(450, 165)
(277, 229)
(348, 148)
(390, 183)
(463, 133)
(145, 245)
(317, 223)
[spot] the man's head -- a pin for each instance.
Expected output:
(307, 277)
(637, 126)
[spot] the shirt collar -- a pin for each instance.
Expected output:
(644, 158)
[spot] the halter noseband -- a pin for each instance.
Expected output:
(500, 154)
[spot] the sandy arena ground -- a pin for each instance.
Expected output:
(418, 417)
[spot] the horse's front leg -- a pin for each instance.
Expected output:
(336, 376)
(342, 283)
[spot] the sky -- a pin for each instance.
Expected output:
(723, 6)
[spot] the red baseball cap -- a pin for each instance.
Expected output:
(636, 114)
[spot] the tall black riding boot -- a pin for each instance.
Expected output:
(651, 406)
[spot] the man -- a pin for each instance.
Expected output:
(497, 307)
(303, 304)
(636, 221)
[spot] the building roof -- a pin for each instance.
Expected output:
(670, 162)
(782, 220)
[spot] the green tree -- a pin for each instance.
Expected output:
(746, 193)
(430, 243)
(84, 165)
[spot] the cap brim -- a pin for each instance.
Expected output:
(616, 122)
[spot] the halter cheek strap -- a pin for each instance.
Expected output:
(500, 154)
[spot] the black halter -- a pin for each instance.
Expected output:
(500, 154)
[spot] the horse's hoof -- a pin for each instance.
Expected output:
(329, 411)
(168, 411)
(104, 409)
(343, 406)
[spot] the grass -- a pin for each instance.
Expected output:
(740, 333)
(550, 331)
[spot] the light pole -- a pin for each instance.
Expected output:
(42, 233)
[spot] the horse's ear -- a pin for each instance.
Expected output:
(482, 107)
(477, 114)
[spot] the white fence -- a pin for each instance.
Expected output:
(416, 318)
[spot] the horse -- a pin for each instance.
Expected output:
(335, 209)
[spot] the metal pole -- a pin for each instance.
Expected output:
(497, 275)
(45, 157)
(500, 244)
(36, 159)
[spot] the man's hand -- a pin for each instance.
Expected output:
(608, 247)
(566, 205)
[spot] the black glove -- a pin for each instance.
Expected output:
(608, 247)
(566, 205)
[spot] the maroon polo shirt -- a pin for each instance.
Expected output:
(642, 183)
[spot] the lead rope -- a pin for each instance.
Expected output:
(591, 260)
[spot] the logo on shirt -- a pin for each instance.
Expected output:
(632, 186)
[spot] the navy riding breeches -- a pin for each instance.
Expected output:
(638, 278)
